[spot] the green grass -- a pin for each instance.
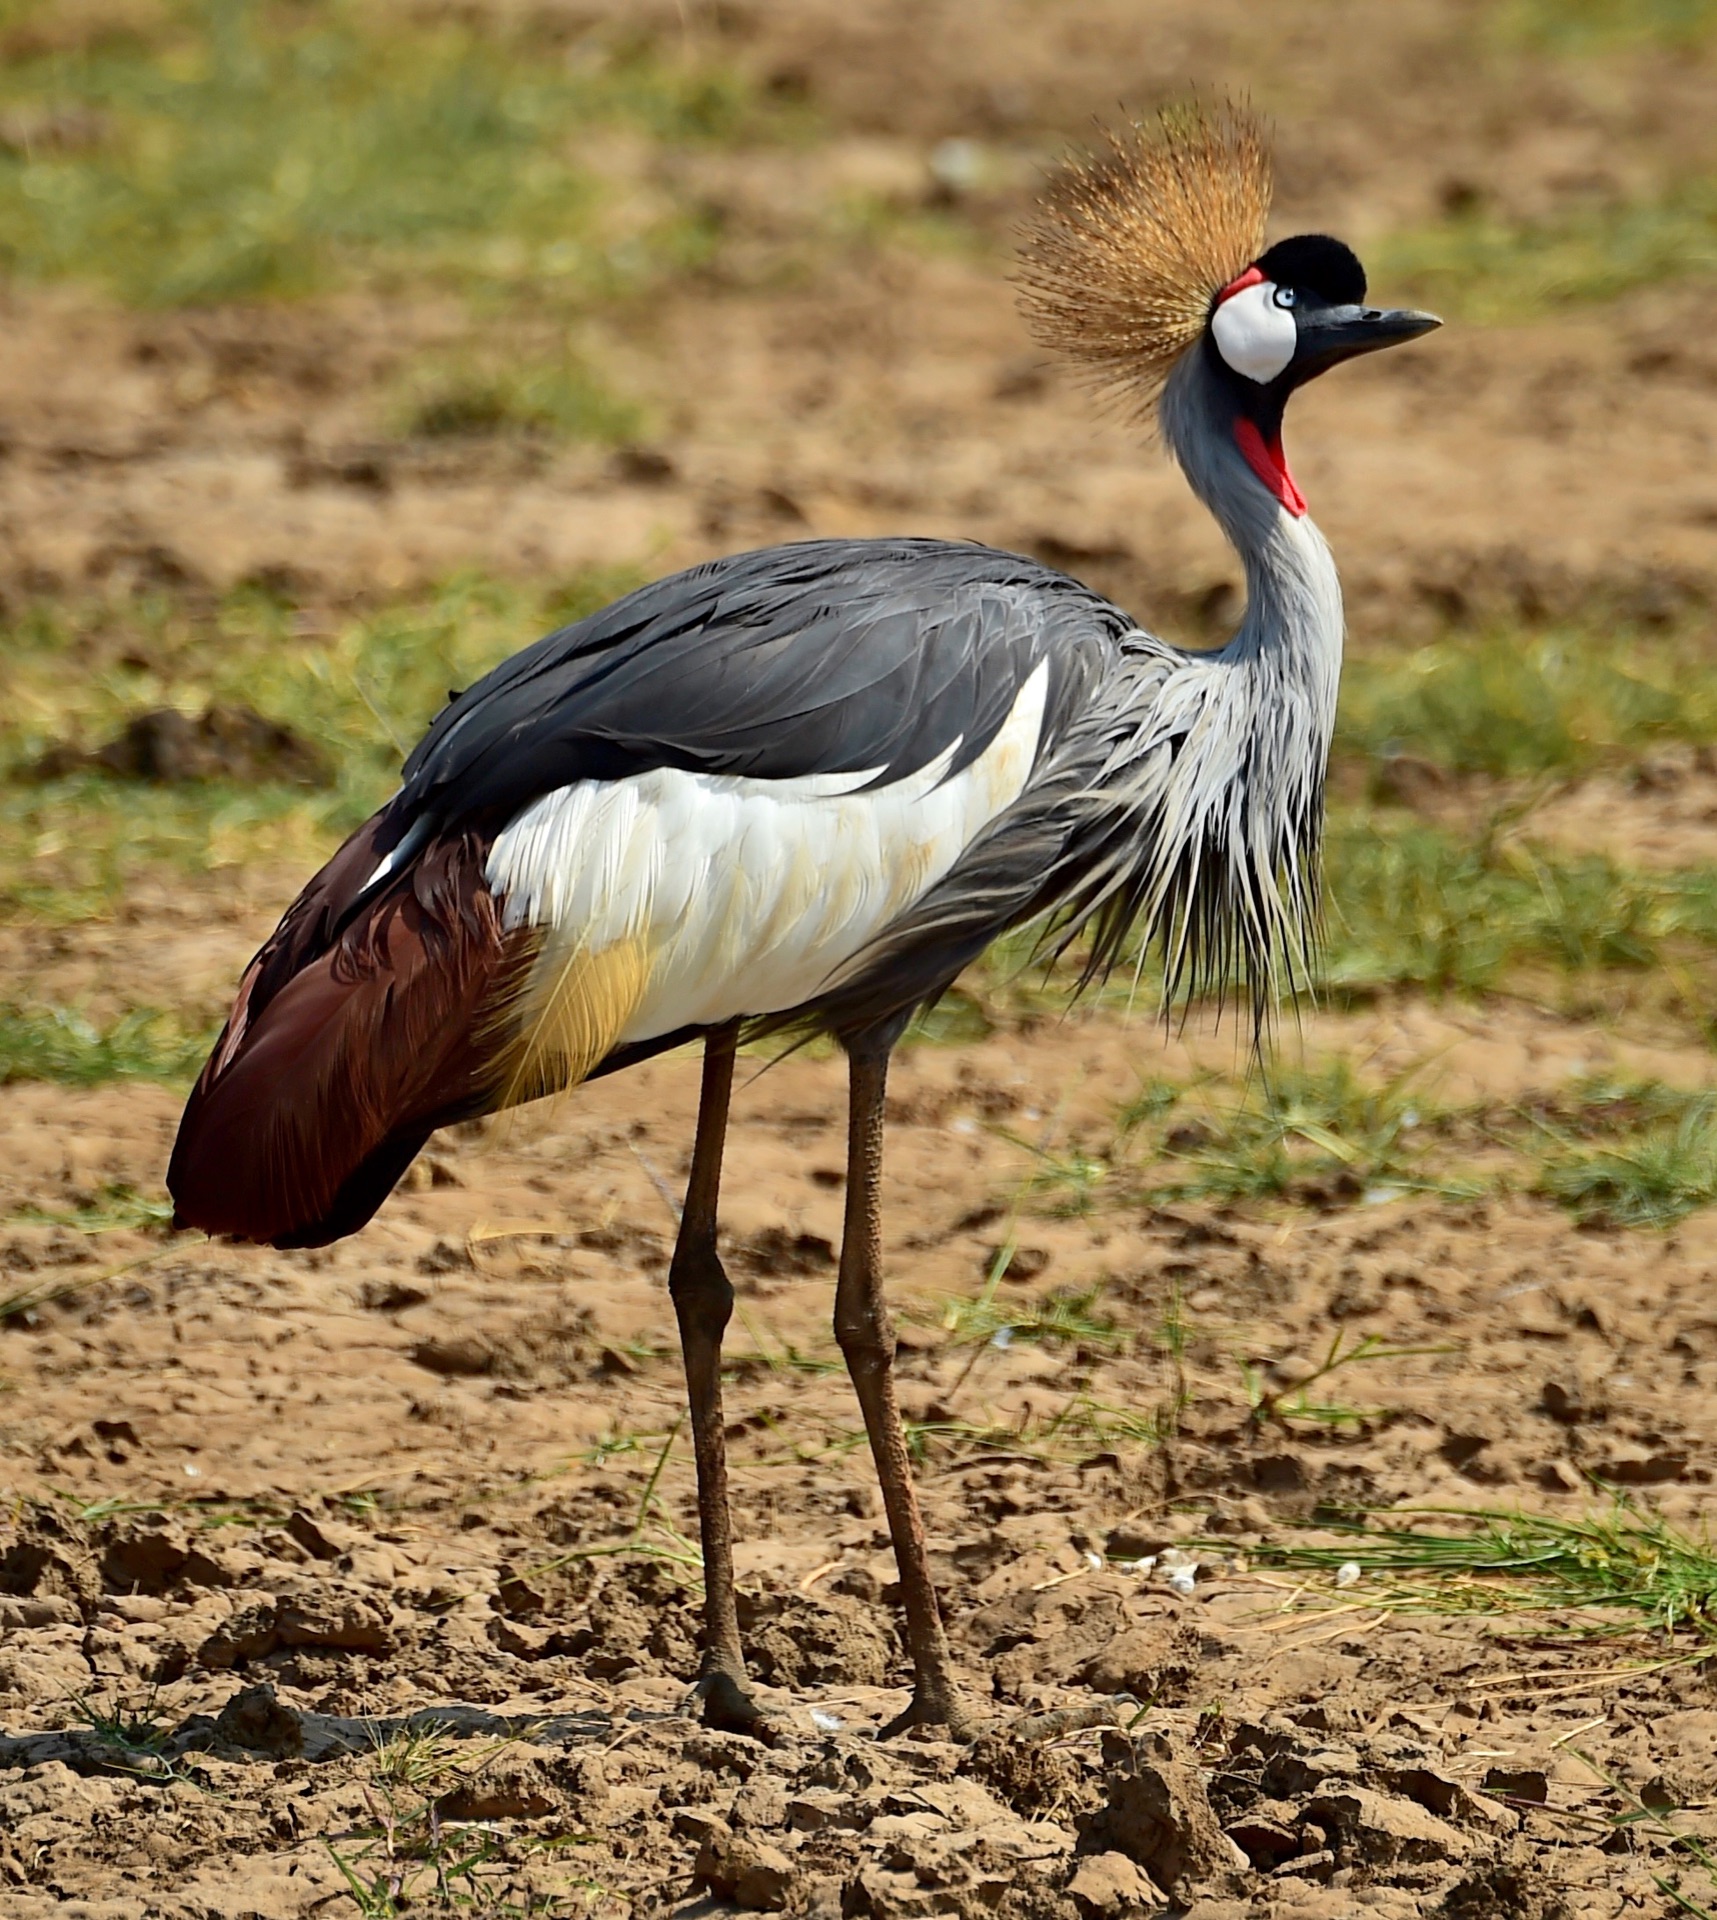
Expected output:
(1320, 1135)
(1618, 1571)
(116, 1207)
(1512, 703)
(1477, 265)
(57, 1043)
(408, 1860)
(1600, 26)
(131, 1736)
(237, 151)
(559, 399)
(1070, 1317)
(362, 688)
(1634, 1157)
(1283, 1406)
(1415, 906)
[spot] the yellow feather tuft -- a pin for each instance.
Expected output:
(1130, 245)
(572, 1009)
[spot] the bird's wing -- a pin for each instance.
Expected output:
(824, 658)
(693, 807)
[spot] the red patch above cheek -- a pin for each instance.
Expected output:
(1252, 277)
(1270, 463)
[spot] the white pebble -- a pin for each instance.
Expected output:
(828, 1722)
(1183, 1580)
(1347, 1574)
(1093, 1560)
(1003, 1337)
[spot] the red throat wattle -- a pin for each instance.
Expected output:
(1270, 463)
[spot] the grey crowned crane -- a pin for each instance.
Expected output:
(801, 789)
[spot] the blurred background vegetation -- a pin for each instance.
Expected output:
(529, 167)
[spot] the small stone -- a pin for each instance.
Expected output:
(1134, 1542)
(313, 1536)
(810, 1812)
(753, 1876)
(1319, 1866)
(1642, 1467)
(698, 1823)
(463, 1357)
(1110, 1884)
(247, 1633)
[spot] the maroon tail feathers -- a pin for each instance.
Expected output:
(347, 1045)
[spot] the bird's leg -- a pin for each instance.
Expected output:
(703, 1303)
(866, 1335)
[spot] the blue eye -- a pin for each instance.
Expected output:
(1284, 296)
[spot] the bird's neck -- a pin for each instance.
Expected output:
(1291, 632)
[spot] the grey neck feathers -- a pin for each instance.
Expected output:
(1269, 696)
(1293, 615)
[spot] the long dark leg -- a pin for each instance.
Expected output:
(703, 1304)
(866, 1335)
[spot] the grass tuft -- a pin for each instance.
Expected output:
(1621, 1570)
(132, 1736)
(1599, 26)
(1066, 1316)
(362, 687)
(1657, 1165)
(60, 1044)
(1285, 1405)
(1417, 906)
(1319, 1135)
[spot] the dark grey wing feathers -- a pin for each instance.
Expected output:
(834, 656)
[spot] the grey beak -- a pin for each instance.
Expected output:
(1330, 335)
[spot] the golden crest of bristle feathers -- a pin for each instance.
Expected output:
(1130, 243)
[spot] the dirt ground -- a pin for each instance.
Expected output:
(314, 1560)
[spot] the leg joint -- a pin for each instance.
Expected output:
(700, 1290)
(867, 1343)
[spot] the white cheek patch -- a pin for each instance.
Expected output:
(1254, 335)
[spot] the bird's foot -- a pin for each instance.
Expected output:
(942, 1709)
(728, 1706)
(1119, 1710)
(962, 1721)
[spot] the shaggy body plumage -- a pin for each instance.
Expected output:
(1064, 760)
(804, 788)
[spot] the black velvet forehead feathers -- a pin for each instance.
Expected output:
(1314, 263)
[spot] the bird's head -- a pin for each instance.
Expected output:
(1152, 252)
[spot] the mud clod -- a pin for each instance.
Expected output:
(1159, 1815)
(1109, 1886)
(793, 1640)
(755, 1877)
(256, 1721)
